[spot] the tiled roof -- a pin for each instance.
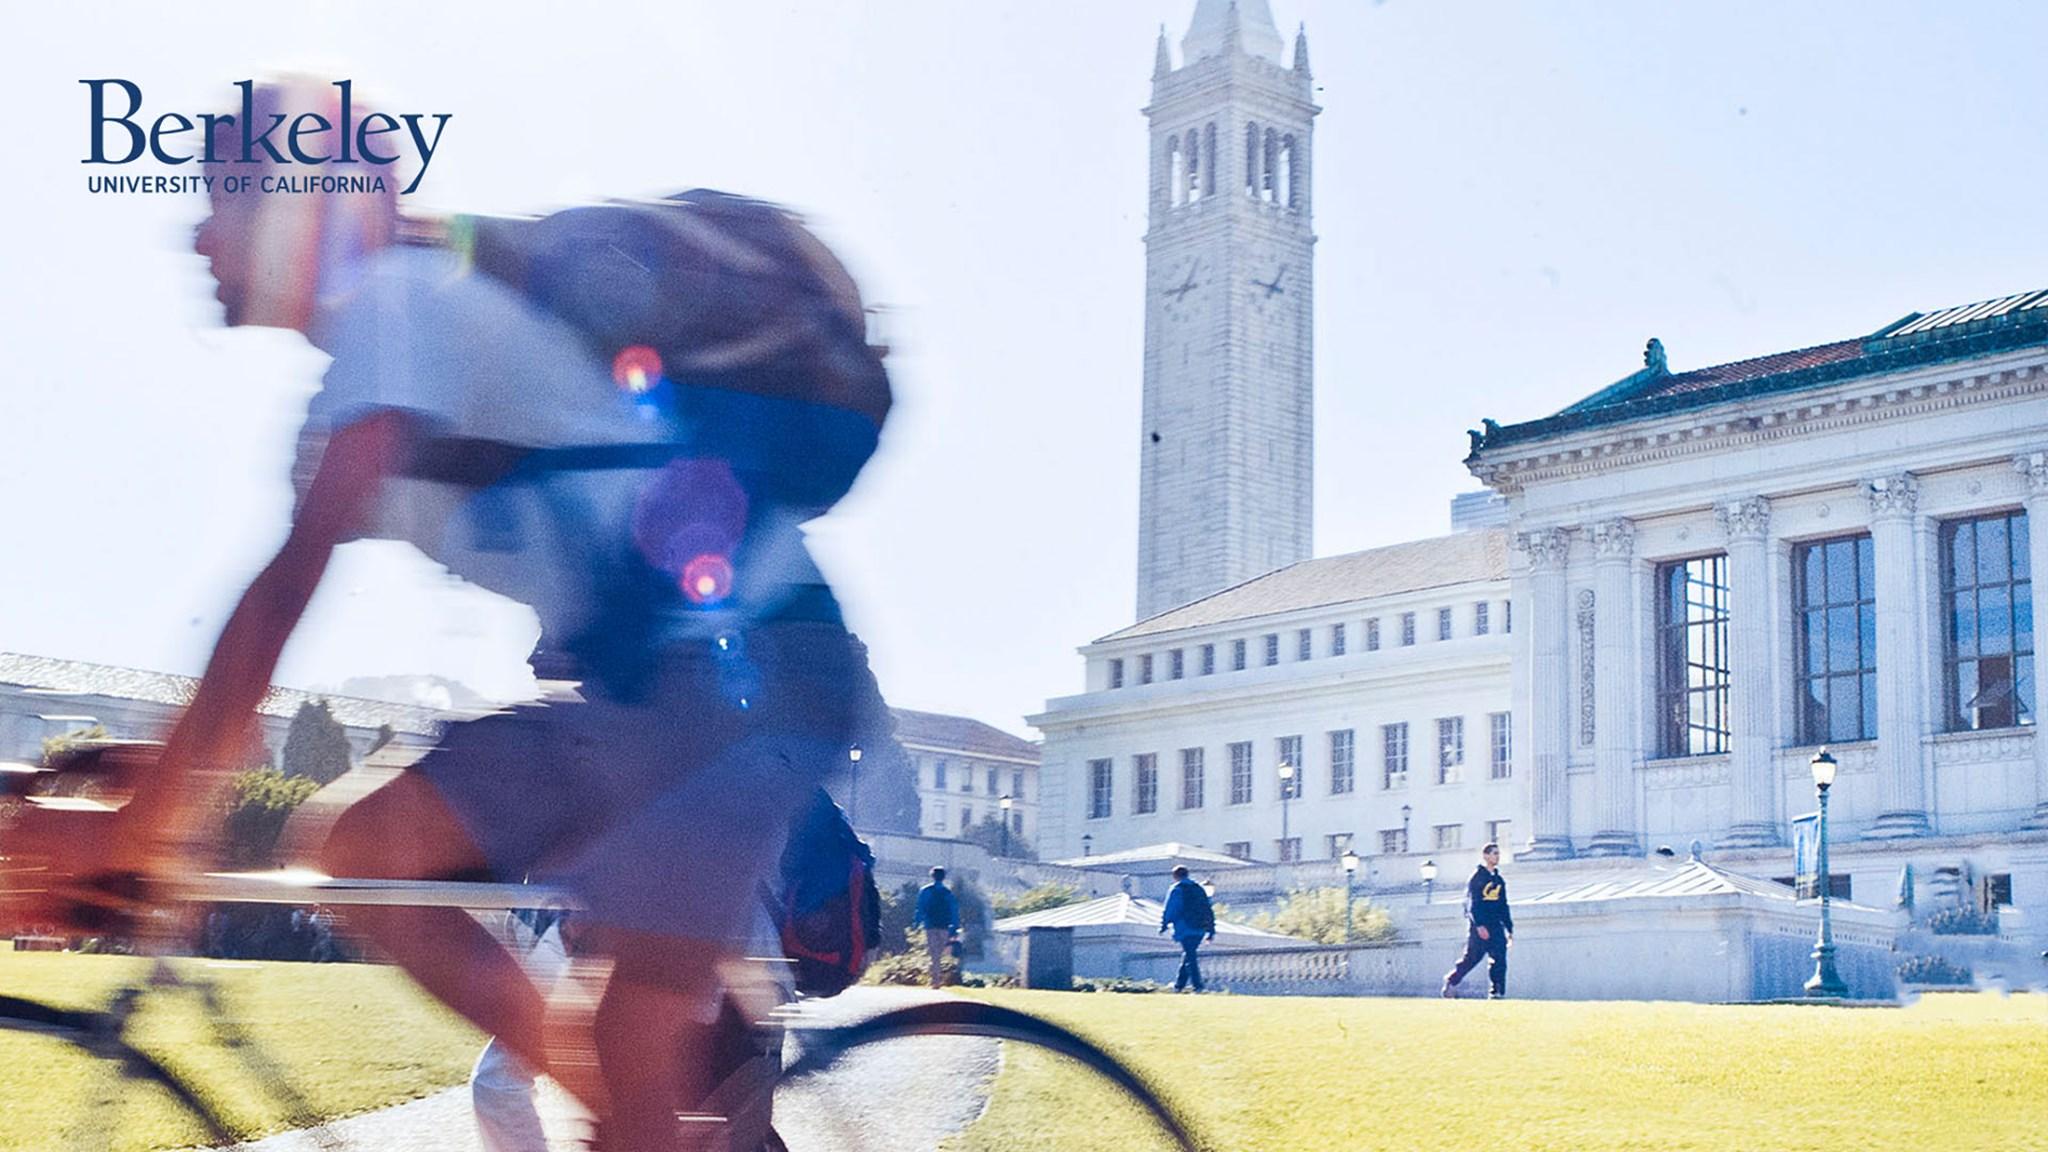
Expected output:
(961, 734)
(1410, 567)
(1155, 854)
(1118, 909)
(77, 678)
(1947, 335)
(1667, 882)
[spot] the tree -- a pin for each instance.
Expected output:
(1318, 914)
(258, 803)
(316, 745)
(988, 835)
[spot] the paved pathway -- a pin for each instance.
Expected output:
(902, 1097)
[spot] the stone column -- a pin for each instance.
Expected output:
(1614, 729)
(1752, 711)
(1550, 702)
(1901, 705)
(2034, 466)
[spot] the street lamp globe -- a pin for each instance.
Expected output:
(1823, 769)
(1350, 863)
(853, 754)
(1429, 871)
(1006, 802)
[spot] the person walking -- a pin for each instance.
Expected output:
(1193, 919)
(938, 913)
(1490, 927)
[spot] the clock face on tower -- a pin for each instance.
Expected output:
(1183, 278)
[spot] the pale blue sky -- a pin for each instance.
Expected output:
(1511, 198)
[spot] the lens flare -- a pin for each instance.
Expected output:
(707, 578)
(637, 369)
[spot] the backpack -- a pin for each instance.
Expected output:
(1196, 908)
(828, 911)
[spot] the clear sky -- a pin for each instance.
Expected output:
(1511, 199)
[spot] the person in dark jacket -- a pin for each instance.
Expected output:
(938, 913)
(1490, 927)
(1192, 918)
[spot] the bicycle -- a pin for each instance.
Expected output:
(753, 1061)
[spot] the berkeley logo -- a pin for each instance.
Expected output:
(311, 139)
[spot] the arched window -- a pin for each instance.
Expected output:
(1285, 191)
(1209, 159)
(1272, 161)
(1176, 171)
(1194, 152)
(1251, 159)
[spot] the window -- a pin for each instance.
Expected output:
(966, 817)
(1101, 779)
(1016, 823)
(1241, 773)
(1500, 750)
(1393, 841)
(1341, 775)
(1501, 832)
(993, 782)
(1336, 843)
(1191, 777)
(1237, 655)
(1304, 644)
(1449, 836)
(1443, 623)
(1479, 620)
(1289, 849)
(1507, 615)
(1336, 639)
(1208, 659)
(1242, 849)
(1017, 786)
(1287, 750)
(1835, 594)
(1176, 665)
(1407, 629)
(1692, 656)
(1838, 886)
(1394, 755)
(1272, 648)
(938, 773)
(1450, 749)
(1372, 635)
(1997, 891)
(1146, 765)
(1987, 602)
(1116, 673)
(967, 777)
(1145, 668)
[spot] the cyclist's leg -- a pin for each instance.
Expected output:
(404, 830)
(653, 1033)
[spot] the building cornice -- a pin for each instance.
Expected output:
(1754, 421)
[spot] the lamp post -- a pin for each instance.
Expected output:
(1825, 981)
(1286, 795)
(853, 786)
(1350, 871)
(1429, 881)
(1005, 803)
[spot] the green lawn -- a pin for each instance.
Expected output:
(1954, 1073)
(351, 1037)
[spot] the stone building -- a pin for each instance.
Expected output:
(965, 769)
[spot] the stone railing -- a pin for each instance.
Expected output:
(1304, 970)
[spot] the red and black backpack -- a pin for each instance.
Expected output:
(828, 910)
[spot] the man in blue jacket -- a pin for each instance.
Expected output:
(1193, 919)
(1491, 927)
(938, 913)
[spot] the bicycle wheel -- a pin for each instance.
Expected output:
(960, 1074)
(94, 1090)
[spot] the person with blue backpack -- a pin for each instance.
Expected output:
(1192, 918)
(938, 913)
(621, 416)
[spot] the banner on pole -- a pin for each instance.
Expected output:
(1806, 856)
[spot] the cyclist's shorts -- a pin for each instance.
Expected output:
(664, 815)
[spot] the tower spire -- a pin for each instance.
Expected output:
(1301, 51)
(1162, 60)
(1233, 29)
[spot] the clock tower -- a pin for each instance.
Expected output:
(1226, 449)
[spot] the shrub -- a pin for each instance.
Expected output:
(1963, 921)
(1318, 914)
(1037, 900)
(1933, 970)
(258, 803)
(1116, 984)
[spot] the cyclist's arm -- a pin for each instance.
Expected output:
(210, 735)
